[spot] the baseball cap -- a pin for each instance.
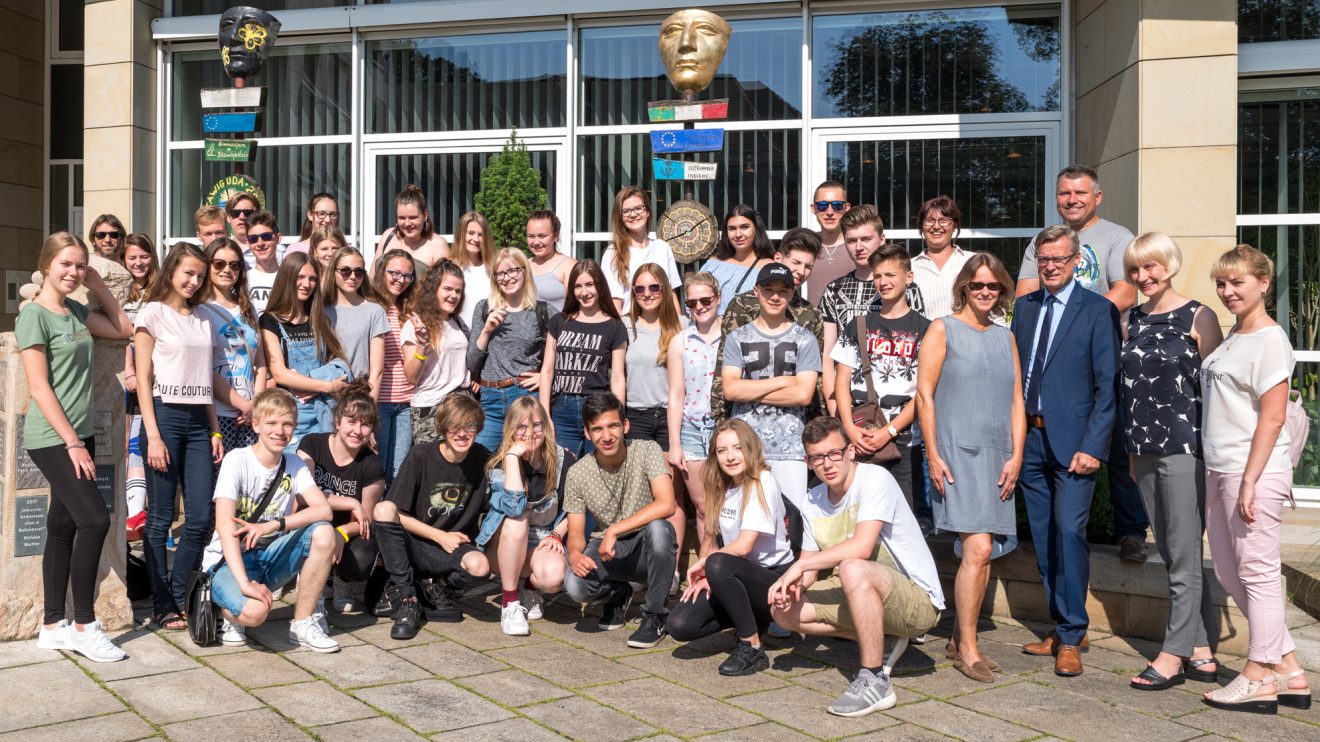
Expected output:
(771, 272)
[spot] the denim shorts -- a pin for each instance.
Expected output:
(272, 566)
(695, 440)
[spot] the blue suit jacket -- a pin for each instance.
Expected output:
(1078, 394)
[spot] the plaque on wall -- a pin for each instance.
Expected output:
(29, 525)
(105, 482)
(101, 423)
(26, 474)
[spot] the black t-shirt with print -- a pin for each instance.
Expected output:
(440, 493)
(582, 353)
(347, 481)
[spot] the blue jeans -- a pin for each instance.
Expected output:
(393, 436)
(494, 402)
(186, 432)
(272, 566)
(566, 413)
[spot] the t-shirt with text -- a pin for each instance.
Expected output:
(259, 285)
(893, 345)
(583, 351)
(759, 355)
(440, 493)
(180, 339)
(771, 548)
(346, 481)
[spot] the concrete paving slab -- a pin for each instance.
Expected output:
(482, 633)
(118, 727)
(148, 654)
(379, 728)
(258, 669)
(15, 654)
(570, 666)
(513, 687)
(191, 694)
(804, 710)
(509, 730)
(959, 722)
(1250, 727)
(905, 733)
(316, 703)
(378, 633)
(354, 667)
(764, 732)
(448, 659)
(585, 632)
(586, 720)
(680, 711)
(1113, 688)
(50, 692)
(700, 672)
(433, 705)
(181, 641)
(1071, 715)
(264, 725)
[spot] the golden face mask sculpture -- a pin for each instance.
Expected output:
(692, 45)
(246, 37)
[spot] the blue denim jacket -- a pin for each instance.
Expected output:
(507, 503)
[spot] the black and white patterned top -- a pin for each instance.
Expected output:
(1162, 382)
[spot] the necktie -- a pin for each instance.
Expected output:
(1038, 363)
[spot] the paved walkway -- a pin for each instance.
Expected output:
(468, 681)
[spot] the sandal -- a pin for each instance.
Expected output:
(951, 653)
(1298, 698)
(171, 621)
(1155, 680)
(1191, 668)
(1243, 694)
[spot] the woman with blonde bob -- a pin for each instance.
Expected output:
(523, 533)
(967, 362)
(1164, 341)
(745, 550)
(1244, 392)
(507, 341)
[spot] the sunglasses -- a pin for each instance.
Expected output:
(704, 301)
(347, 273)
(265, 237)
(218, 265)
(242, 213)
(644, 289)
(823, 206)
(993, 286)
(108, 235)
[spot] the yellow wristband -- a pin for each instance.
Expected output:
(218, 435)
(420, 357)
(341, 533)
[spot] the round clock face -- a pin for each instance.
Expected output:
(690, 229)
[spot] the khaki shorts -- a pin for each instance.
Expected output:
(908, 610)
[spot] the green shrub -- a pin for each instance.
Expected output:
(510, 190)
(1100, 527)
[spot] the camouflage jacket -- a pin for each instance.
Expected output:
(743, 309)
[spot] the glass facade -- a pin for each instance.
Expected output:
(1278, 20)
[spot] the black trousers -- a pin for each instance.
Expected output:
(738, 598)
(358, 558)
(408, 557)
(76, 525)
(648, 424)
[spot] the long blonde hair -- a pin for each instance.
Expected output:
(718, 483)
(669, 322)
(528, 410)
(622, 237)
(527, 298)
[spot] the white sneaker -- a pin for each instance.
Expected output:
(308, 633)
(92, 643)
(344, 602)
(677, 583)
(232, 635)
(318, 614)
(513, 620)
(56, 638)
(534, 603)
(277, 593)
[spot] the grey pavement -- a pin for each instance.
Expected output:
(468, 681)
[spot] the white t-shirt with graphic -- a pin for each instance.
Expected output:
(244, 479)
(259, 285)
(789, 352)
(178, 341)
(771, 547)
(1233, 378)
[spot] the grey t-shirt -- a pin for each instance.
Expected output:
(1101, 261)
(355, 327)
(515, 347)
(648, 381)
(760, 356)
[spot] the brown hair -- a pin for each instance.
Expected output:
(890, 251)
(621, 237)
(308, 225)
(241, 196)
(284, 303)
(455, 410)
(718, 483)
(113, 221)
(408, 298)
(164, 283)
(976, 262)
(330, 289)
(52, 246)
(603, 298)
(143, 243)
(830, 184)
(820, 428)
(263, 219)
(354, 401)
(669, 322)
(323, 233)
(860, 216)
(800, 238)
(945, 206)
(460, 256)
(428, 301)
(411, 195)
(241, 295)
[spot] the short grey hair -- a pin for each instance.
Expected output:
(1057, 232)
(1075, 171)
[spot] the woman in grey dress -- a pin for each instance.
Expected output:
(969, 402)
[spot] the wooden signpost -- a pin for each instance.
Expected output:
(687, 140)
(678, 110)
(230, 150)
(219, 118)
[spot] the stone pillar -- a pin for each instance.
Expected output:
(1156, 114)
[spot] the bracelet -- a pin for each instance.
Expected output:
(555, 535)
(420, 357)
(214, 434)
(280, 521)
(341, 533)
(71, 446)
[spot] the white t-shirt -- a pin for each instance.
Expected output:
(874, 495)
(936, 284)
(656, 251)
(445, 369)
(179, 342)
(771, 548)
(1233, 378)
(259, 285)
(243, 479)
(476, 286)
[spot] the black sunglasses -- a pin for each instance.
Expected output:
(643, 289)
(704, 301)
(243, 213)
(347, 273)
(218, 265)
(108, 235)
(826, 205)
(994, 286)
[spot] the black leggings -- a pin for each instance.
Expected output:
(738, 598)
(76, 525)
(358, 559)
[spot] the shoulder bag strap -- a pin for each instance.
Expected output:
(864, 350)
(738, 289)
(269, 493)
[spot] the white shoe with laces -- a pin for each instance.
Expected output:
(308, 633)
(54, 638)
(535, 604)
(513, 620)
(318, 614)
(92, 643)
(232, 635)
(344, 602)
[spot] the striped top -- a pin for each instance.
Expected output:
(394, 386)
(937, 284)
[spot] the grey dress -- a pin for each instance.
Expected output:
(973, 428)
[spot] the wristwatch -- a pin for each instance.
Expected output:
(893, 432)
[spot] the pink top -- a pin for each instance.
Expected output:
(179, 341)
(394, 386)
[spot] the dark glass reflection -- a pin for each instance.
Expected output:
(1279, 153)
(216, 7)
(450, 181)
(987, 60)
(1278, 20)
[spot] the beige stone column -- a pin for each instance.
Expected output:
(1156, 114)
(119, 139)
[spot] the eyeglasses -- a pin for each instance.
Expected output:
(634, 211)
(508, 274)
(1061, 260)
(242, 213)
(329, 216)
(400, 275)
(944, 222)
(644, 289)
(263, 237)
(537, 427)
(993, 286)
(347, 273)
(470, 429)
(823, 206)
(704, 301)
(817, 459)
(108, 235)
(218, 265)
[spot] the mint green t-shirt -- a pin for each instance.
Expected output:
(68, 346)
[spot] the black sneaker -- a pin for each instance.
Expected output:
(615, 613)
(408, 620)
(439, 602)
(388, 602)
(745, 660)
(649, 633)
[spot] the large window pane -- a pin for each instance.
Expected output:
(66, 112)
(1296, 254)
(761, 74)
(1279, 152)
(308, 90)
(450, 181)
(484, 81)
(287, 175)
(759, 168)
(216, 7)
(1278, 20)
(984, 60)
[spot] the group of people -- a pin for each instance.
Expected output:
(392, 434)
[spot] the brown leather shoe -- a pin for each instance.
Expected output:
(1068, 662)
(1050, 645)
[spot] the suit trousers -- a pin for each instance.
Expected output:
(1058, 507)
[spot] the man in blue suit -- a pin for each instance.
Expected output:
(1068, 341)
